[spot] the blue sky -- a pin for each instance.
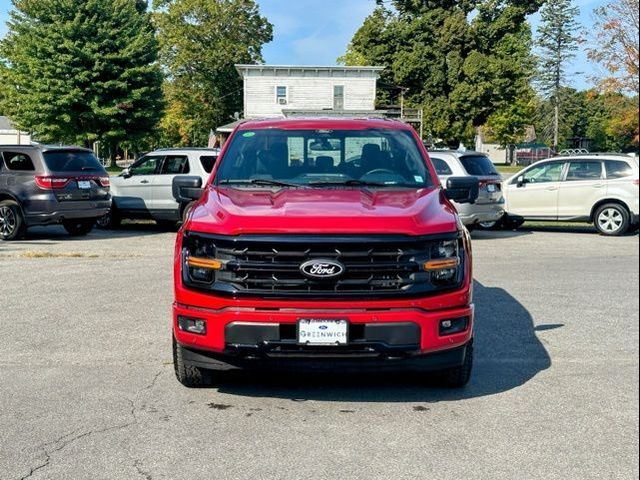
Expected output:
(318, 31)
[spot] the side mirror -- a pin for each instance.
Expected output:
(126, 173)
(462, 189)
(520, 181)
(186, 189)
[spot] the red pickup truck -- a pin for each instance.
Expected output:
(323, 243)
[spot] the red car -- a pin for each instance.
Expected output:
(323, 243)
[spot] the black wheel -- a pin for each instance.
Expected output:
(188, 375)
(12, 224)
(512, 223)
(109, 221)
(458, 377)
(185, 211)
(167, 224)
(611, 219)
(487, 225)
(79, 228)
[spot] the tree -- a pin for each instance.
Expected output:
(557, 42)
(461, 61)
(616, 37)
(77, 72)
(200, 41)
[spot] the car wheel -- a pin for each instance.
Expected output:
(487, 225)
(109, 221)
(167, 224)
(188, 375)
(612, 219)
(12, 224)
(78, 228)
(512, 223)
(186, 210)
(458, 377)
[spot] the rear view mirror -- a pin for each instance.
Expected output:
(126, 173)
(520, 181)
(462, 189)
(186, 189)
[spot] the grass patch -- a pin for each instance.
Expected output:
(509, 168)
(34, 254)
(114, 170)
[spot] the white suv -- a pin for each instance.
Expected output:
(144, 190)
(602, 189)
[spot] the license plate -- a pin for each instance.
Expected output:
(84, 184)
(322, 332)
(491, 188)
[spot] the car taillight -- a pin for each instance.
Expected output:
(52, 183)
(636, 182)
(104, 181)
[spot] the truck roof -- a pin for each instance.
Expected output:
(328, 123)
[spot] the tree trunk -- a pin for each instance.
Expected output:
(113, 153)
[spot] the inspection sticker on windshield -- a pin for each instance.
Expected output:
(248, 134)
(322, 332)
(418, 178)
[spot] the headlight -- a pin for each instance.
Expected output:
(198, 260)
(444, 262)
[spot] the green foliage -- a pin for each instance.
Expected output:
(460, 68)
(77, 72)
(200, 41)
(608, 120)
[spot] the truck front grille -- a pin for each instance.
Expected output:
(270, 266)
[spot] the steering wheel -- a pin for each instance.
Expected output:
(379, 171)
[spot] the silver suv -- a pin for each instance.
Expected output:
(144, 190)
(489, 207)
(42, 185)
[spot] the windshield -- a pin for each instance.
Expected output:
(323, 158)
(72, 161)
(478, 165)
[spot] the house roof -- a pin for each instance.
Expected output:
(311, 70)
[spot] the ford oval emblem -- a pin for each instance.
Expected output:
(322, 269)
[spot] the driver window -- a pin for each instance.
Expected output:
(548, 172)
(146, 166)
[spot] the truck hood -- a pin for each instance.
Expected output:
(341, 211)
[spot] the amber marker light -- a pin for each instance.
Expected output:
(441, 264)
(204, 263)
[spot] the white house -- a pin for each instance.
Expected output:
(10, 136)
(286, 90)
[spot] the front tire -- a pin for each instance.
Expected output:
(78, 228)
(612, 219)
(512, 223)
(458, 377)
(12, 225)
(188, 375)
(109, 221)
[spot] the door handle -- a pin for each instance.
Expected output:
(551, 189)
(144, 181)
(598, 185)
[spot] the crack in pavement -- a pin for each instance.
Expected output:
(64, 440)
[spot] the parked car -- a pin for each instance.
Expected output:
(601, 189)
(43, 185)
(324, 243)
(144, 190)
(489, 207)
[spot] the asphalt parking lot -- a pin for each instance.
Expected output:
(88, 389)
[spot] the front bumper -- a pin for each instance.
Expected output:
(401, 338)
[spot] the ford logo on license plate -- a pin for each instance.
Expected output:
(322, 269)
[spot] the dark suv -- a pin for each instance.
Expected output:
(41, 185)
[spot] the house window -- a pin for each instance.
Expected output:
(281, 95)
(338, 97)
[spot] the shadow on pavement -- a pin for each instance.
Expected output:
(53, 234)
(508, 354)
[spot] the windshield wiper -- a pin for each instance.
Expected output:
(263, 181)
(353, 183)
